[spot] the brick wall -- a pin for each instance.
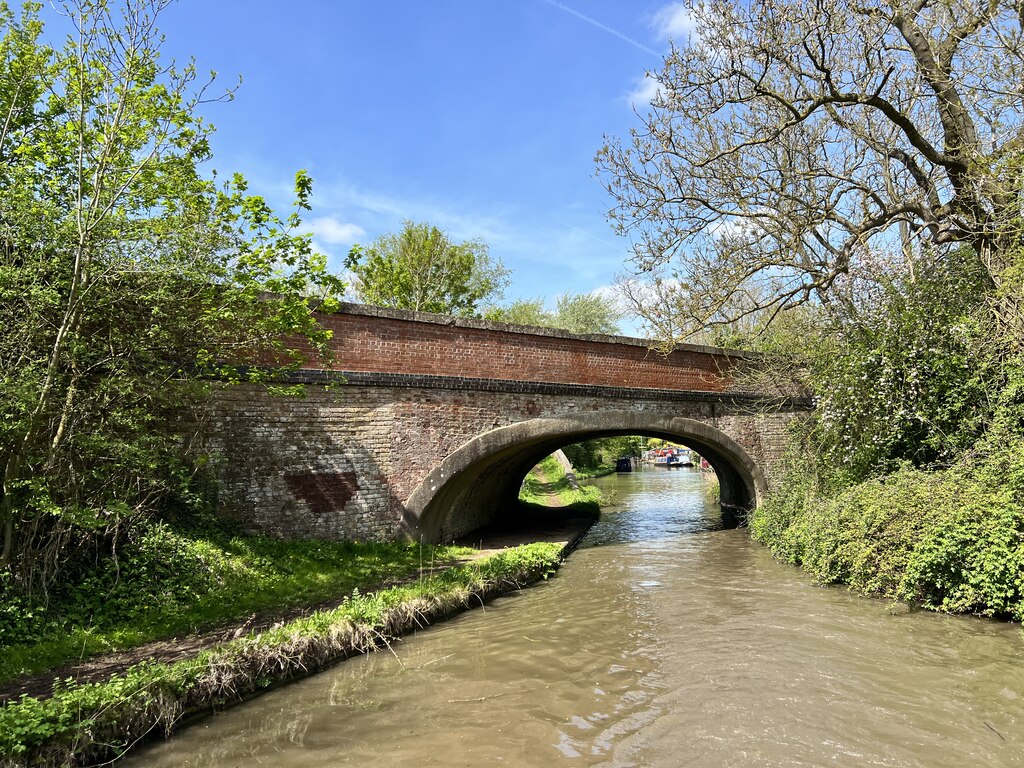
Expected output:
(373, 339)
(341, 463)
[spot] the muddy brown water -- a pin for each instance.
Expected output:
(662, 642)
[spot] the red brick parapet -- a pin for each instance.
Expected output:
(379, 340)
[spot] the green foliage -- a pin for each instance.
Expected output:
(164, 581)
(580, 313)
(587, 313)
(81, 723)
(950, 540)
(69, 719)
(777, 523)
(420, 268)
(127, 280)
(592, 457)
(902, 372)
(522, 312)
(904, 379)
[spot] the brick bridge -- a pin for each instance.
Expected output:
(439, 419)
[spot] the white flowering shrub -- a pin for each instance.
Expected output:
(907, 377)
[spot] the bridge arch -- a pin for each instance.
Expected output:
(480, 480)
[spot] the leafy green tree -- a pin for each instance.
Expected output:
(574, 312)
(587, 313)
(422, 269)
(127, 280)
(521, 312)
(602, 453)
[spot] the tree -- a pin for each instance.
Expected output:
(790, 143)
(574, 312)
(521, 312)
(586, 313)
(127, 279)
(601, 453)
(422, 269)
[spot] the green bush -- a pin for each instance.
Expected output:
(777, 522)
(950, 540)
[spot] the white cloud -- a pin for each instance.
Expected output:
(613, 295)
(333, 231)
(726, 229)
(644, 91)
(384, 212)
(673, 21)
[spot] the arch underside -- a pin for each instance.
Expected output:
(480, 481)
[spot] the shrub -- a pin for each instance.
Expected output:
(950, 540)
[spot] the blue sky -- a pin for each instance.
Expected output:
(479, 116)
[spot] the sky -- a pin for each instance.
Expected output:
(479, 116)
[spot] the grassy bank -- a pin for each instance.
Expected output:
(950, 540)
(84, 724)
(548, 485)
(161, 582)
(167, 581)
(598, 471)
(710, 487)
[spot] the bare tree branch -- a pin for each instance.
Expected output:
(790, 142)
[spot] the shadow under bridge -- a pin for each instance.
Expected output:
(480, 481)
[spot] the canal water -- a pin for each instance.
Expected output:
(663, 641)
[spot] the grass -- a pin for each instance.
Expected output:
(598, 471)
(169, 581)
(174, 583)
(548, 485)
(87, 723)
(710, 487)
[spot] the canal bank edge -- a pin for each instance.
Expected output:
(93, 722)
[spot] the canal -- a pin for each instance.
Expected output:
(663, 641)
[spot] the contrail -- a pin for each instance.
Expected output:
(605, 27)
(588, 234)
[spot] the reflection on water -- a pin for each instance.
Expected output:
(662, 642)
